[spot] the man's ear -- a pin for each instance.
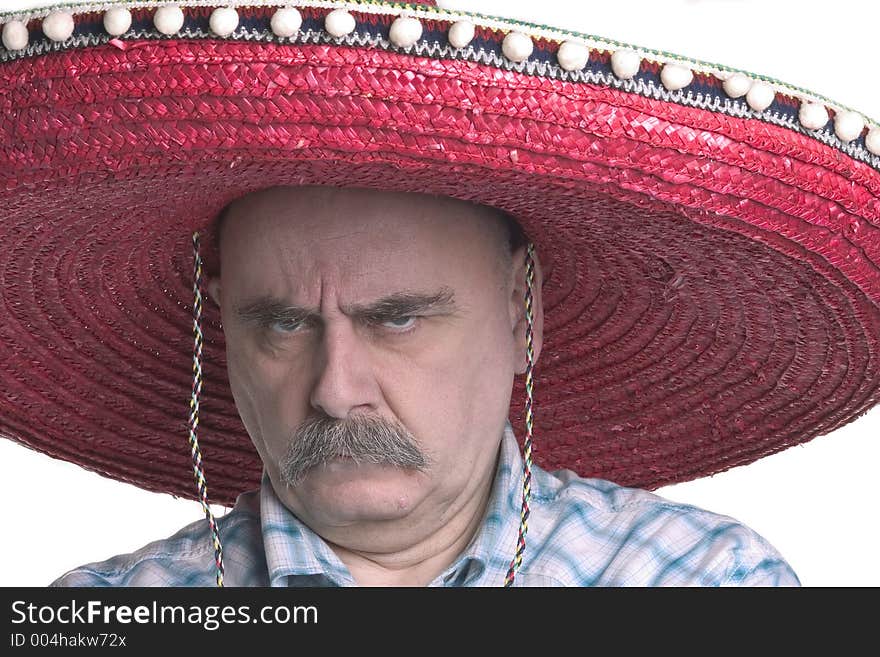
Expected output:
(213, 285)
(518, 309)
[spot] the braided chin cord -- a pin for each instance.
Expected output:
(198, 471)
(516, 562)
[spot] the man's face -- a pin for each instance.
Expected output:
(410, 318)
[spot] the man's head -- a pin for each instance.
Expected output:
(383, 326)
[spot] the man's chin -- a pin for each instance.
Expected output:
(349, 491)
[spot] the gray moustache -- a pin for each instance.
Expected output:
(365, 439)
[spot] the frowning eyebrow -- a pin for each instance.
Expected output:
(266, 310)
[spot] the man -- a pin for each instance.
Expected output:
(690, 304)
(372, 342)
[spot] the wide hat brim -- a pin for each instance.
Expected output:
(711, 288)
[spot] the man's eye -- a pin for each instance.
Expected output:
(401, 323)
(284, 326)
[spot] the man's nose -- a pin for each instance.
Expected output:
(344, 376)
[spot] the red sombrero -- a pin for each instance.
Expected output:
(710, 239)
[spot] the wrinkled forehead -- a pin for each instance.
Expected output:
(318, 210)
(353, 233)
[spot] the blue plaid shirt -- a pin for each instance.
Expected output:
(582, 532)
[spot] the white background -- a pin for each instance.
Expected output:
(816, 502)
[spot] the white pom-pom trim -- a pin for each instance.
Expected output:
(405, 31)
(517, 47)
(737, 85)
(58, 25)
(169, 19)
(339, 22)
(117, 21)
(572, 55)
(223, 21)
(848, 125)
(15, 35)
(625, 64)
(760, 96)
(286, 22)
(812, 115)
(461, 34)
(675, 77)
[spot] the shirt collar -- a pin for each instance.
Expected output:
(293, 549)
(484, 562)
